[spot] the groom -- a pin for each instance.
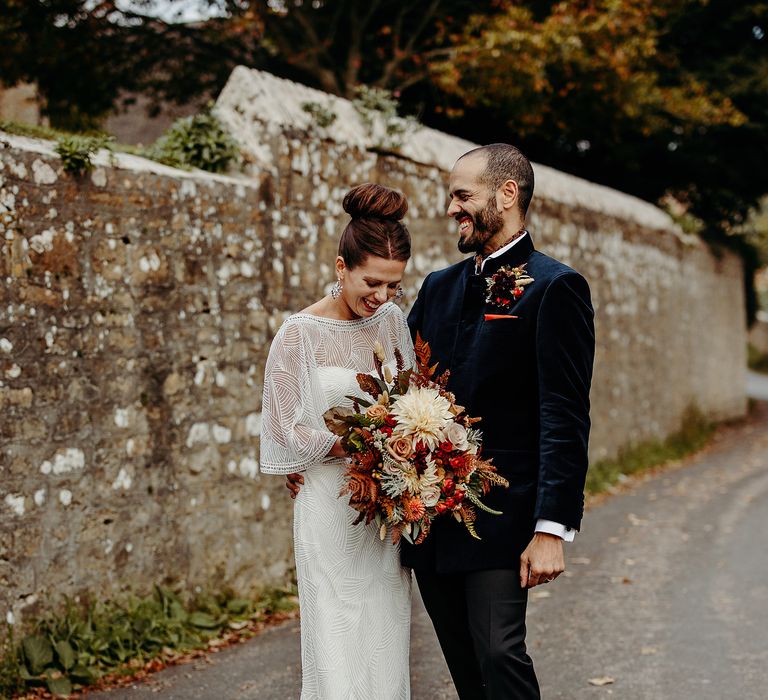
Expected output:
(523, 361)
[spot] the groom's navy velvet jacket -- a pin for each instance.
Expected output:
(528, 378)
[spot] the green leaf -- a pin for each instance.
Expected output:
(361, 402)
(238, 606)
(203, 620)
(38, 652)
(25, 674)
(83, 674)
(356, 441)
(59, 685)
(404, 380)
(66, 654)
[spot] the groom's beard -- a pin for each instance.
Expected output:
(485, 225)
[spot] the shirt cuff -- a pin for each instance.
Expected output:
(552, 528)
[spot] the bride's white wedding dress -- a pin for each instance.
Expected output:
(354, 596)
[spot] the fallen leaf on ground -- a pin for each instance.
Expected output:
(601, 680)
(536, 595)
(579, 560)
(648, 651)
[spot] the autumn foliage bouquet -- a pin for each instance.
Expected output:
(414, 452)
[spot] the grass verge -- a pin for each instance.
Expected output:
(756, 360)
(692, 436)
(113, 642)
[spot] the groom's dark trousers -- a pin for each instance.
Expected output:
(499, 666)
(527, 376)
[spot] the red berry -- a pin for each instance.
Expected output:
(449, 503)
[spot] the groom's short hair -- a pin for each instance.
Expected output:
(506, 162)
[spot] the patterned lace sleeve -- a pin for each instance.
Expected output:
(293, 434)
(402, 337)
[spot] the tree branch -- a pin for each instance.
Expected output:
(304, 60)
(398, 55)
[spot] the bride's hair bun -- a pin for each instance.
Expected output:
(376, 228)
(371, 201)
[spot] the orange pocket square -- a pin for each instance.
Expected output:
(497, 317)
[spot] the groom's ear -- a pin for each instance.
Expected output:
(509, 194)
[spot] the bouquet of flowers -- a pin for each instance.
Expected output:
(414, 452)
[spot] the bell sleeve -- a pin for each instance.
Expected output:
(293, 433)
(402, 338)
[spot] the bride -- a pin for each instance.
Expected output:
(354, 596)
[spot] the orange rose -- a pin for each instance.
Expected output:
(376, 412)
(362, 489)
(400, 448)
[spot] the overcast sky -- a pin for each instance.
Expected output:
(173, 10)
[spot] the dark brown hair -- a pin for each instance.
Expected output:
(505, 162)
(376, 227)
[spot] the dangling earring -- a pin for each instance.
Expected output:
(336, 289)
(399, 293)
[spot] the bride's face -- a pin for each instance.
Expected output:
(369, 285)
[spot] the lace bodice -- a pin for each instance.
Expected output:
(308, 355)
(337, 383)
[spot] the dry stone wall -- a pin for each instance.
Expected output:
(138, 302)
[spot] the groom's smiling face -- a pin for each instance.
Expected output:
(473, 205)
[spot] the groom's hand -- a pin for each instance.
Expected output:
(293, 482)
(542, 561)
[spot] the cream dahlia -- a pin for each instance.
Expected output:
(422, 414)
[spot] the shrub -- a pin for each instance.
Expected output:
(757, 360)
(76, 151)
(200, 141)
(378, 111)
(323, 115)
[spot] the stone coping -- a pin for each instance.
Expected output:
(253, 98)
(125, 161)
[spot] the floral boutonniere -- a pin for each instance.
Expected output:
(506, 286)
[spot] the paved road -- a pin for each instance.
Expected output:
(666, 593)
(757, 385)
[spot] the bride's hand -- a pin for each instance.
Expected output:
(337, 450)
(293, 482)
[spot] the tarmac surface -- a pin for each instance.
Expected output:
(665, 596)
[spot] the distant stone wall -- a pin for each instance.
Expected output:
(20, 103)
(137, 306)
